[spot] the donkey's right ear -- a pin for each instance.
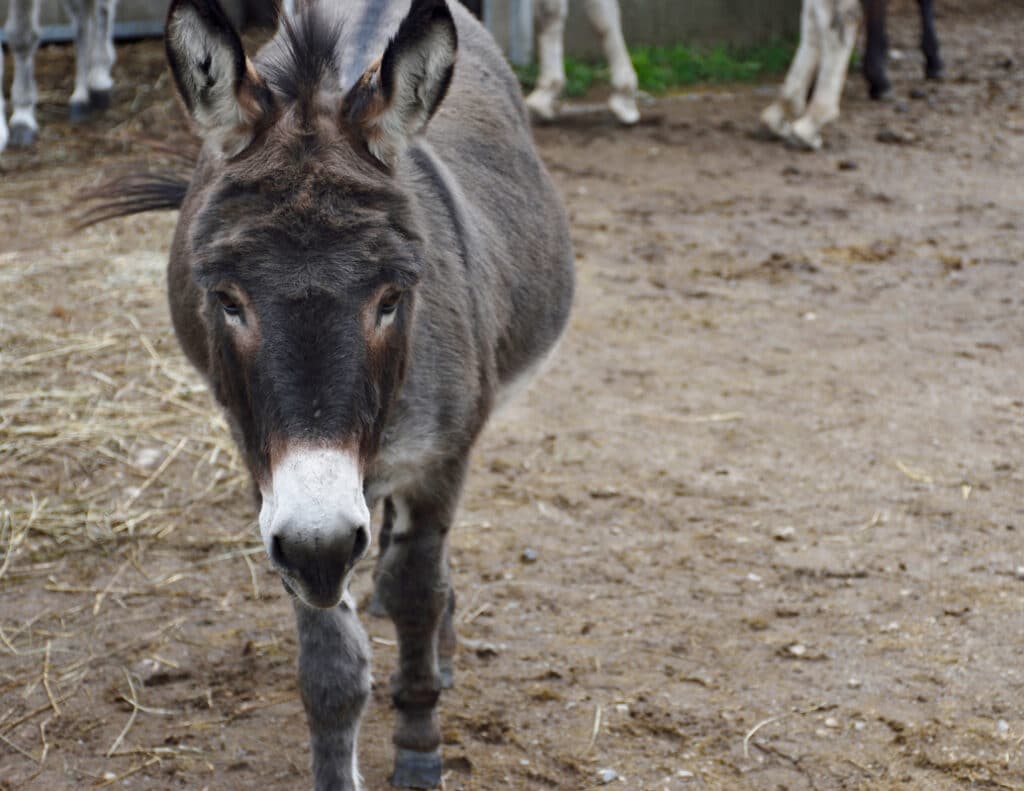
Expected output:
(218, 84)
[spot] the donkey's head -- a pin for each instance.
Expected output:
(307, 252)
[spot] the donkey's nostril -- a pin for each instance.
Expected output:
(277, 551)
(361, 544)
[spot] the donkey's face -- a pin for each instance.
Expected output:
(307, 252)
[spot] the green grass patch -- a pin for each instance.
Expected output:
(662, 69)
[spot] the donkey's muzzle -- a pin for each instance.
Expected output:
(317, 565)
(315, 522)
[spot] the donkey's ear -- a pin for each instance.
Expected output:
(225, 97)
(395, 98)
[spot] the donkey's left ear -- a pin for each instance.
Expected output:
(394, 99)
(218, 84)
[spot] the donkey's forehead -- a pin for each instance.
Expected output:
(315, 228)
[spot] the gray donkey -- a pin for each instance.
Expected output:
(369, 257)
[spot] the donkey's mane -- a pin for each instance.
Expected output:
(305, 57)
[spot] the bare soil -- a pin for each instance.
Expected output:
(759, 525)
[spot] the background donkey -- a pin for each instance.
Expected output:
(828, 32)
(94, 57)
(606, 19)
(360, 289)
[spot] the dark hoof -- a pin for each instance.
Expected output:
(79, 111)
(376, 607)
(99, 100)
(414, 769)
(22, 136)
(934, 72)
(446, 669)
(879, 91)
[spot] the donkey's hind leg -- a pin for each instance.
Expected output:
(83, 16)
(414, 587)
(839, 34)
(23, 38)
(101, 56)
(792, 100)
(933, 65)
(550, 18)
(3, 110)
(606, 19)
(334, 679)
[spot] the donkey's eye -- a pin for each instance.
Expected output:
(230, 306)
(389, 304)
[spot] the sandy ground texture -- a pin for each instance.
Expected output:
(759, 526)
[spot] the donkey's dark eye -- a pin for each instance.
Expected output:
(230, 306)
(389, 304)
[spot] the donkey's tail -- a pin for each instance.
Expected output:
(142, 188)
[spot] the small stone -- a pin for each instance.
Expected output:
(831, 722)
(1003, 726)
(529, 555)
(854, 683)
(895, 137)
(918, 94)
(787, 533)
(752, 577)
(798, 649)
(683, 773)
(1020, 572)
(859, 725)
(847, 164)
(605, 776)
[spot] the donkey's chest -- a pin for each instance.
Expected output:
(403, 463)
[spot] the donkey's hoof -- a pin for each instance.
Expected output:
(376, 607)
(879, 90)
(934, 71)
(446, 669)
(22, 135)
(414, 769)
(79, 111)
(624, 108)
(543, 105)
(99, 100)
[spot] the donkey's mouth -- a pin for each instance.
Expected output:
(319, 596)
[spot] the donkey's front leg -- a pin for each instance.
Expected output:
(414, 588)
(23, 34)
(334, 678)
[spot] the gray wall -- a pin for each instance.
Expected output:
(705, 22)
(666, 22)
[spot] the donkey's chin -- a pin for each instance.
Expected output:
(319, 597)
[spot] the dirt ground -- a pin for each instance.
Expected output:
(758, 527)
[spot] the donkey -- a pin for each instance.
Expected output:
(369, 256)
(828, 32)
(606, 19)
(94, 57)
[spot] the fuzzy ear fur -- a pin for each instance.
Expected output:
(218, 84)
(396, 97)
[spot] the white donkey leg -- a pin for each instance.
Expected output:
(101, 56)
(606, 19)
(83, 16)
(550, 17)
(838, 36)
(793, 95)
(23, 38)
(3, 110)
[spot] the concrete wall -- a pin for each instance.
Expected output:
(667, 22)
(664, 22)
